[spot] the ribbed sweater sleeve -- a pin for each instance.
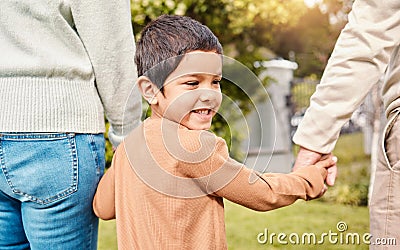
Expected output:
(232, 180)
(111, 49)
(266, 191)
(65, 65)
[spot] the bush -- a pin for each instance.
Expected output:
(352, 182)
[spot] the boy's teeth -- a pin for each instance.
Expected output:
(202, 111)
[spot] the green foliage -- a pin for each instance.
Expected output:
(143, 11)
(350, 150)
(252, 30)
(233, 21)
(352, 183)
(109, 148)
(311, 41)
(222, 16)
(349, 194)
(302, 91)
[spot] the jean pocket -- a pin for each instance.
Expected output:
(39, 167)
(391, 142)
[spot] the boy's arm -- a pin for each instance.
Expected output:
(261, 191)
(269, 191)
(104, 199)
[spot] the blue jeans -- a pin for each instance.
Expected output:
(47, 184)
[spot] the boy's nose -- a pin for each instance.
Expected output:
(208, 95)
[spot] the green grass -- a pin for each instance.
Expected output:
(349, 149)
(243, 225)
(107, 235)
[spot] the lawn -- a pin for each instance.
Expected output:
(303, 219)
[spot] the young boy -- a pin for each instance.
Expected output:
(168, 178)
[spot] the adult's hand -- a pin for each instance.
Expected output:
(307, 157)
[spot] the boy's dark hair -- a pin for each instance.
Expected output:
(165, 40)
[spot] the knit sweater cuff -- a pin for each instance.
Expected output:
(314, 178)
(116, 134)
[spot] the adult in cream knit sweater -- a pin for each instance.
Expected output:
(168, 178)
(64, 65)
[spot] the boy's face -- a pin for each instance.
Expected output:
(192, 93)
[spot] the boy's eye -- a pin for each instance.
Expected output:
(217, 81)
(192, 83)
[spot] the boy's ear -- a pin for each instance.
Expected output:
(148, 89)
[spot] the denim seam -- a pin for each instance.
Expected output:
(32, 136)
(95, 153)
(89, 242)
(2, 162)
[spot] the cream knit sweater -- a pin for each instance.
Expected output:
(63, 63)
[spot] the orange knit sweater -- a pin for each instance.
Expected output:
(166, 186)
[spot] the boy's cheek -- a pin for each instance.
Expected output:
(177, 113)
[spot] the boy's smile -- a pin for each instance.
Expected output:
(191, 93)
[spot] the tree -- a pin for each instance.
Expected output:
(233, 21)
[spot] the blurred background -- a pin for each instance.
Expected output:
(286, 44)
